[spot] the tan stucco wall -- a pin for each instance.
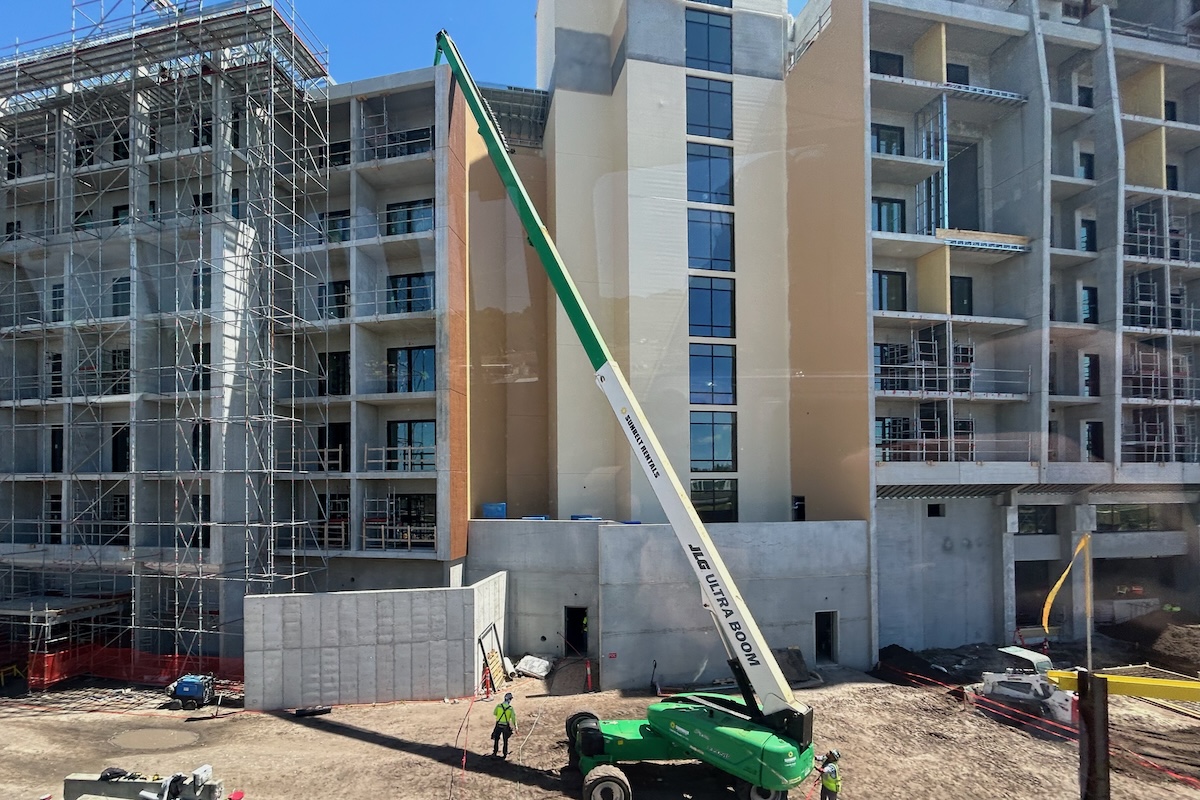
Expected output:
(828, 290)
(1143, 92)
(1146, 160)
(929, 54)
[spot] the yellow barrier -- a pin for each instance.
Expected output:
(1157, 688)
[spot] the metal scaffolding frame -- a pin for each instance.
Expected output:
(157, 158)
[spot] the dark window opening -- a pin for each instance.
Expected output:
(1172, 177)
(935, 510)
(715, 500)
(333, 299)
(57, 448)
(890, 292)
(1090, 367)
(887, 63)
(120, 444)
(120, 145)
(411, 217)
(120, 215)
(1087, 235)
(12, 230)
(575, 630)
(1083, 96)
(336, 226)
(1087, 166)
(1089, 305)
(85, 152)
(962, 300)
(887, 139)
(333, 373)
(1170, 110)
(121, 296)
(799, 508)
(333, 442)
(202, 287)
(1037, 519)
(202, 446)
(410, 445)
(410, 369)
(958, 73)
(202, 203)
(410, 293)
(202, 369)
(1093, 440)
(13, 168)
(825, 629)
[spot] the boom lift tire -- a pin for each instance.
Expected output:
(606, 782)
(744, 790)
(572, 726)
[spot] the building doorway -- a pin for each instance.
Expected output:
(825, 625)
(575, 630)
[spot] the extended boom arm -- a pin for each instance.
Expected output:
(737, 627)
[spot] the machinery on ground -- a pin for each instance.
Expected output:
(193, 691)
(1028, 688)
(764, 738)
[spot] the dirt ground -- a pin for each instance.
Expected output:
(896, 743)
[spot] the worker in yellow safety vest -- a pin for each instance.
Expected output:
(831, 775)
(506, 724)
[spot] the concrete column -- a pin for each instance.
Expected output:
(64, 167)
(1084, 521)
(1006, 566)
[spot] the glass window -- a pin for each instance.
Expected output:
(1172, 177)
(337, 226)
(710, 307)
(121, 297)
(1091, 375)
(1087, 166)
(1093, 440)
(715, 500)
(1089, 305)
(410, 293)
(1037, 519)
(333, 299)
(710, 240)
(887, 214)
(712, 371)
(202, 446)
(1083, 96)
(333, 373)
(202, 369)
(714, 441)
(887, 63)
(710, 173)
(890, 292)
(411, 445)
(1087, 235)
(202, 287)
(1170, 110)
(1125, 517)
(204, 203)
(410, 369)
(962, 300)
(12, 230)
(709, 108)
(120, 215)
(410, 217)
(958, 73)
(887, 139)
(58, 302)
(709, 41)
(85, 152)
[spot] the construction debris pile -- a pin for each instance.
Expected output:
(1170, 639)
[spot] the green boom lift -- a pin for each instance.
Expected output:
(764, 738)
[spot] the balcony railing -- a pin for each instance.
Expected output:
(400, 459)
(382, 143)
(314, 459)
(1154, 244)
(980, 447)
(368, 303)
(333, 534)
(407, 221)
(934, 379)
(1154, 34)
(383, 534)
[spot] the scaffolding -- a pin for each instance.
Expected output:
(158, 158)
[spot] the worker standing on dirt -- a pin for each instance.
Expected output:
(506, 724)
(831, 775)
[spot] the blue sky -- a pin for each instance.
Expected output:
(369, 37)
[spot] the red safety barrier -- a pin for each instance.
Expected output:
(125, 664)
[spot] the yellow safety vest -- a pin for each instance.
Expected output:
(505, 715)
(832, 780)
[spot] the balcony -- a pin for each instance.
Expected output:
(407, 229)
(399, 459)
(330, 534)
(926, 379)
(314, 459)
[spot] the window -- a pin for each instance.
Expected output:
(236, 201)
(887, 139)
(12, 230)
(410, 293)
(1037, 520)
(958, 73)
(202, 203)
(202, 287)
(121, 296)
(411, 217)
(710, 173)
(337, 226)
(1087, 166)
(202, 371)
(1083, 96)
(1125, 517)
(333, 373)
(799, 508)
(887, 215)
(710, 240)
(84, 221)
(709, 41)
(1093, 440)
(712, 371)
(57, 447)
(962, 300)
(120, 145)
(120, 215)
(201, 533)
(1087, 235)
(413, 509)
(710, 307)
(715, 500)
(54, 364)
(935, 509)
(709, 108)
(119, 372)
(411, 445)
(339, 154)
(714, 441)
(1089, 305)
(202, 446)
(202, 133)
(58, 302)
(235, 133)
(1172, 177)
(85, 152)
(887, 63)
(721, 3)
(890, 293)
(333, 299)
(1075, 9)
(1170, 110)
(120, 449)
(410, 369)
(12, 166)
(891, 367)
(1090, 375)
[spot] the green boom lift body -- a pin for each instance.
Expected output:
(764, 739)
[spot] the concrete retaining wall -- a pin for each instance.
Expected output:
(644, 602)
(367, 647)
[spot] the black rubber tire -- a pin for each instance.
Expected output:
(190, 705)
(606, 782)
(747, 791)
(573, 723)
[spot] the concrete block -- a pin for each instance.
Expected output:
(293, 678)
(330, 677)
(347, 619)
(385, 672)
(402, 605)
(252, 624)
(253, 665)
(421, 687)
(403, 670)
(348, 674)
(438, 664)
(310, 620)
(365, 615)
(292, 621)
(365, 656)
(385, 619)
(330, 621)
(310, 681)
(272, 672)
(420, 617)
(273, 624)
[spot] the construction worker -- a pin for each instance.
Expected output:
(831, 775)
(506, 724)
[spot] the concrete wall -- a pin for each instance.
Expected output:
(368, 647)
(644, 601)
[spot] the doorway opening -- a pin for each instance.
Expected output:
(825, 625)
(575, 632)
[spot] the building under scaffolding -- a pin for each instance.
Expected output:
(151, 160)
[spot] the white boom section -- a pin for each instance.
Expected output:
(721, 596)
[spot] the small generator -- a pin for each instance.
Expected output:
(193, 691)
